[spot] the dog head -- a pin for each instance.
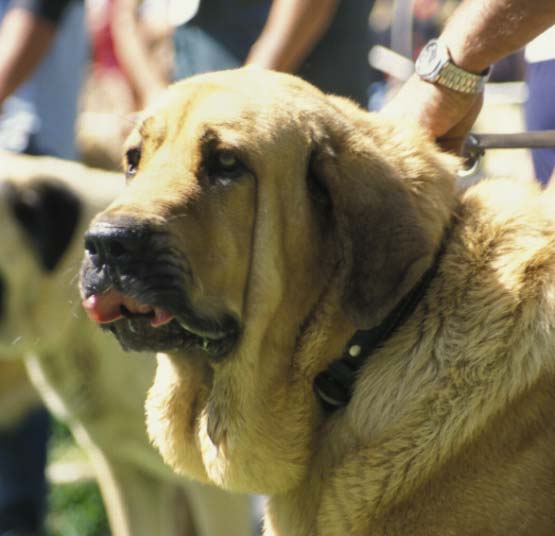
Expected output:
(263, 223)
(41, 213)
(38, 220)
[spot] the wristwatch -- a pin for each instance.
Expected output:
(434, 65)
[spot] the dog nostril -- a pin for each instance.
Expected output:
(93, 248)
(116, 249)
(107, 243)
(90, 246)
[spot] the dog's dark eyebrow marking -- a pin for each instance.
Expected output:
(209, 137)
(146, 126)
(152, 130)
(152, 127)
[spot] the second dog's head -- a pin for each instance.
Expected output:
(43, 210)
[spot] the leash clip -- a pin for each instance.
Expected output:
(475, 145)
(472, 152)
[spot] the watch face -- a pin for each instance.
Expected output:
(431, 60)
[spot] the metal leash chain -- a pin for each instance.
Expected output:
(476, 144)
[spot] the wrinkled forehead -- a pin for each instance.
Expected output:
(185, 110)
(235, 103)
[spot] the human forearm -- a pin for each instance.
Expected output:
(292, 30)
(24, 40)
(482, 32)
(132, 51)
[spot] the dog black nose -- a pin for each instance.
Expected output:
(113, 244)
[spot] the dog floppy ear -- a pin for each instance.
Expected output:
(48, 213)
(389, 214)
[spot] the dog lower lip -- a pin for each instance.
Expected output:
(215, 338)
(158, 317)
(213, 342)
(213, 335)
(134, 334)
(112, 305)
(130, 315)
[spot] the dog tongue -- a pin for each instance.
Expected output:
(104, 308)
(107, 307)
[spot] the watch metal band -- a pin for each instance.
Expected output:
(458, 79)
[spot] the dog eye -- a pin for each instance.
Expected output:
(224, 165)
(227, 160)
(132, 157)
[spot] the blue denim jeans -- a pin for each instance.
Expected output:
(540, 113)
(22, 478)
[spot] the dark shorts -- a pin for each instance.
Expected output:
(222, 32)
(23, 484)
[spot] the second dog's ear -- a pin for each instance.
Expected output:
(48, 212)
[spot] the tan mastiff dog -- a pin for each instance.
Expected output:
(17, 394)
(83, 376)
(338, 327)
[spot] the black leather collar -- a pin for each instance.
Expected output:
(334, 386)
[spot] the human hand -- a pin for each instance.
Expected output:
(446, 115)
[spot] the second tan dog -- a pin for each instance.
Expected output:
(17, 394)
(339, 328)
(84, 377)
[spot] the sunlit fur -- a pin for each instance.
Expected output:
(451, 427)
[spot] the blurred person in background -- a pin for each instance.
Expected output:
(326, 42)
(126, 38)
(540, 105)
(43, 52)
(131, 63)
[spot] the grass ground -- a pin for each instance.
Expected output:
(73, 509)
